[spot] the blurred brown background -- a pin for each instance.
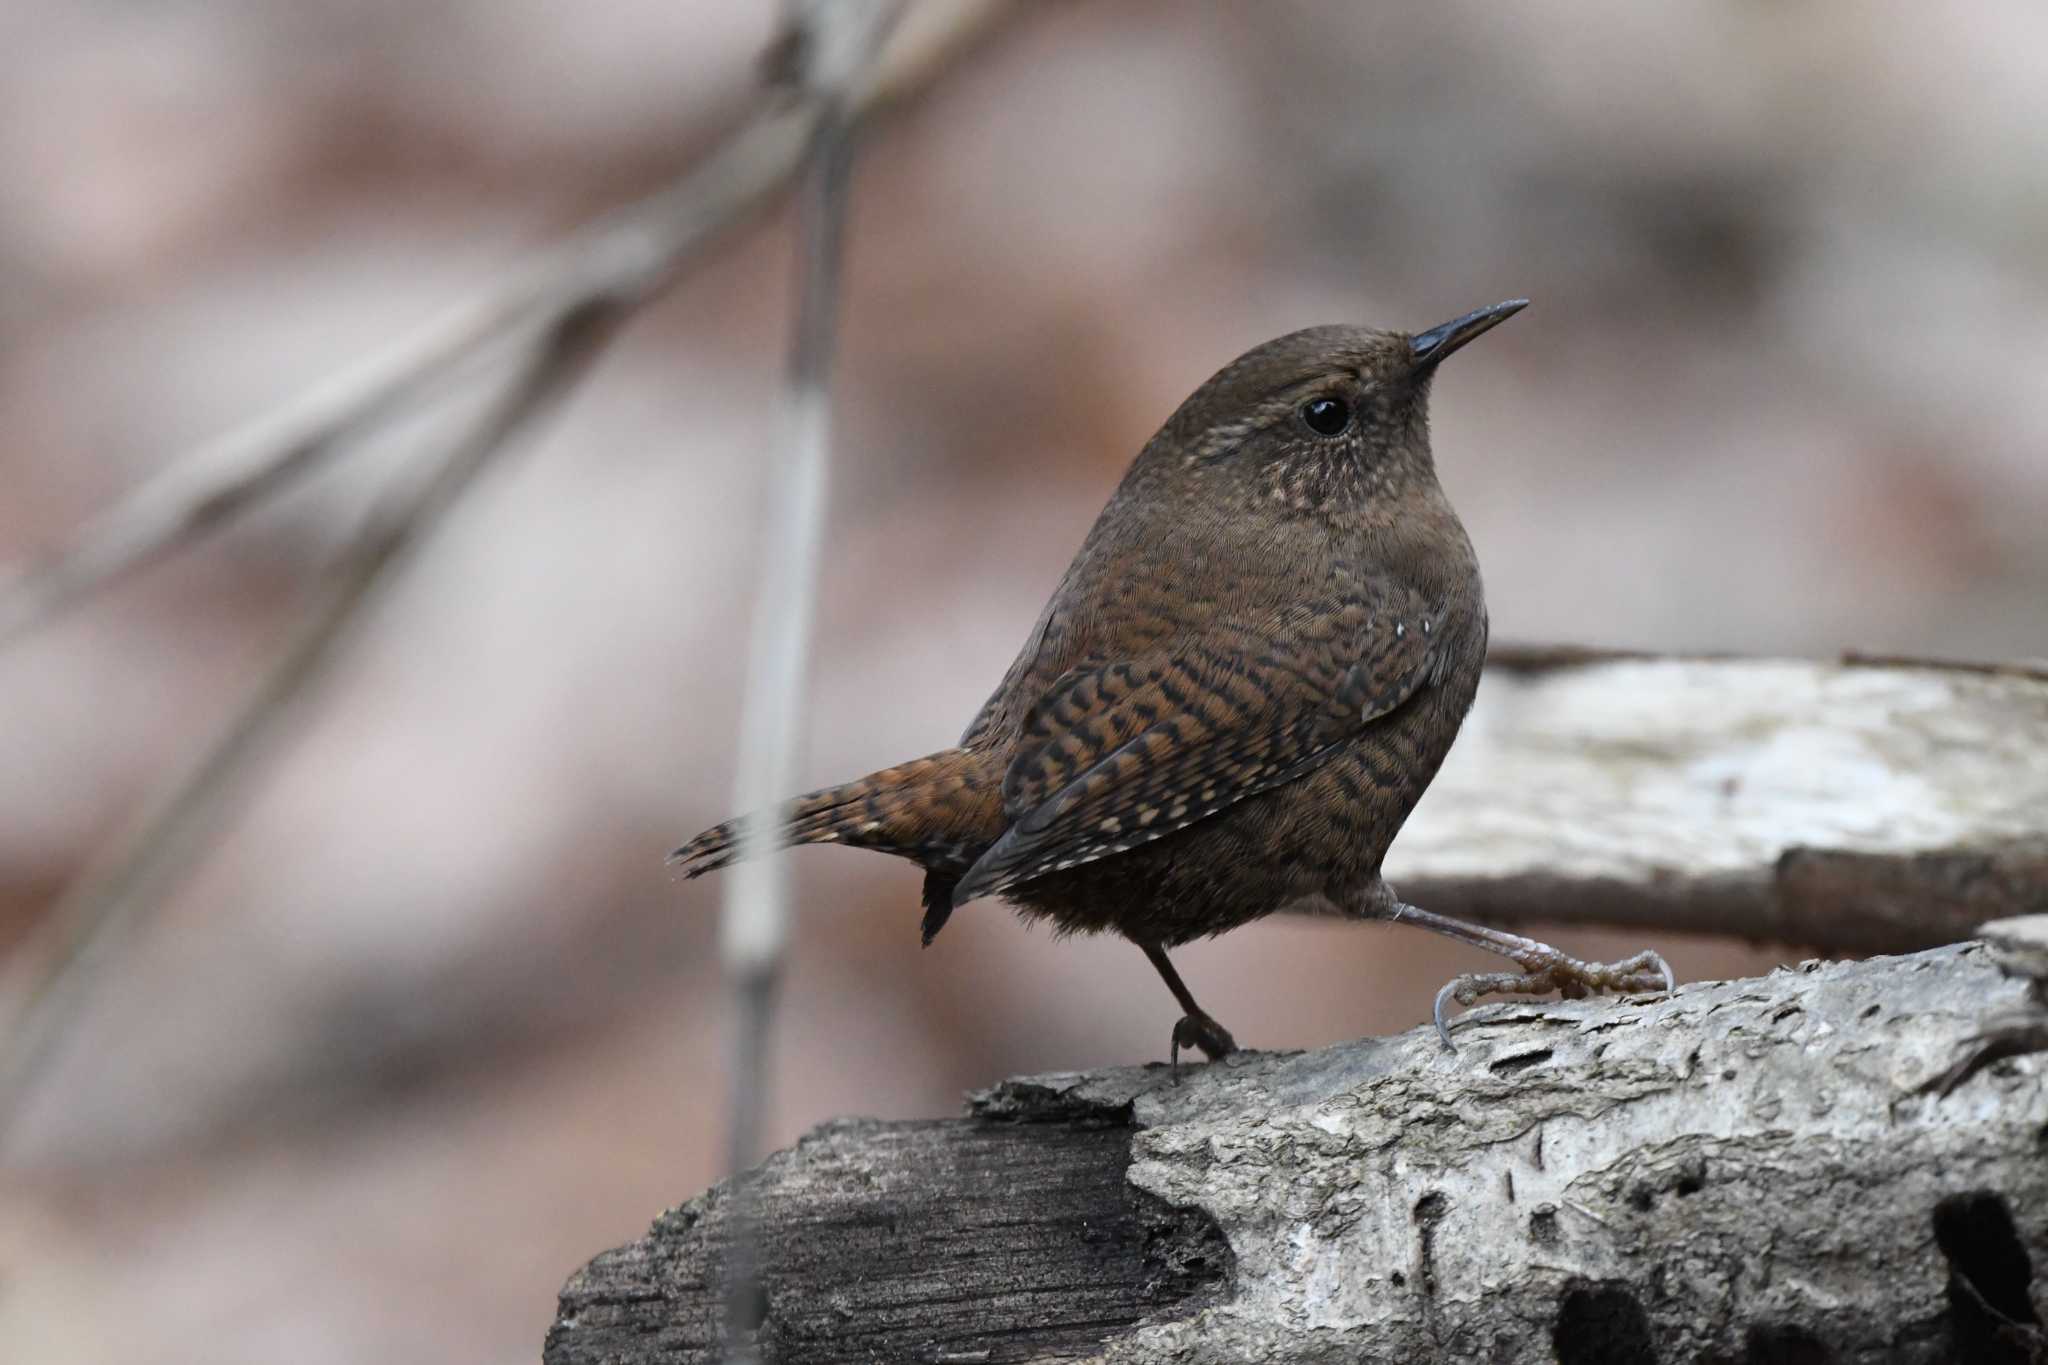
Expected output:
(433, 1025)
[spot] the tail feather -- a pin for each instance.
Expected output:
(935, 810)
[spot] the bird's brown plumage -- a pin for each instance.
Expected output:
(1247, 677)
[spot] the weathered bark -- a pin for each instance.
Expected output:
(1746, 1171)
(1859, 807)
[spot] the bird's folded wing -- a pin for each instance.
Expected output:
(1119, 755)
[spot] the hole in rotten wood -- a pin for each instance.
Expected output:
(1429, 1211)
(1521, 1061)
(1990, 1303)
(1601, 1324)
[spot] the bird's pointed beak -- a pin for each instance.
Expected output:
(1432, 346)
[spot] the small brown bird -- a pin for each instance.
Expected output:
(1248, 676)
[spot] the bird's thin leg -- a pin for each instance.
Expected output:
(1544, 968)
(1196, 1028)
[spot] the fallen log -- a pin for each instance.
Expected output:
(1745, 1171)
(1865, 806)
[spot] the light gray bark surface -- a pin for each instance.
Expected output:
(1741, 1172)
(1853, 807)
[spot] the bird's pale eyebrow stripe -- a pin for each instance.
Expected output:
(1273, 406)
(1286, 395)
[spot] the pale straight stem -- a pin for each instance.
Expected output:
(755, 924)
(560, 307)
(138, 870)
(625, 254)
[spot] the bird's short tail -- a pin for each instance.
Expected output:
(937, 811)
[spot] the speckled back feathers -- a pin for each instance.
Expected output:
(1252, 668)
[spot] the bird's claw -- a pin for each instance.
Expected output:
(1200, 1031)
(1549, 970)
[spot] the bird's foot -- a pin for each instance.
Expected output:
(1545, 969)
(1199, 1030)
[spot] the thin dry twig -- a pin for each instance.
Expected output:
(137, 870)
(827, 47)
(555, 313)
(617, 256)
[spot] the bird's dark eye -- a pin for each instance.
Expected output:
(1326, 416)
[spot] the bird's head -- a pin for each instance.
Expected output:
(1329, 420)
